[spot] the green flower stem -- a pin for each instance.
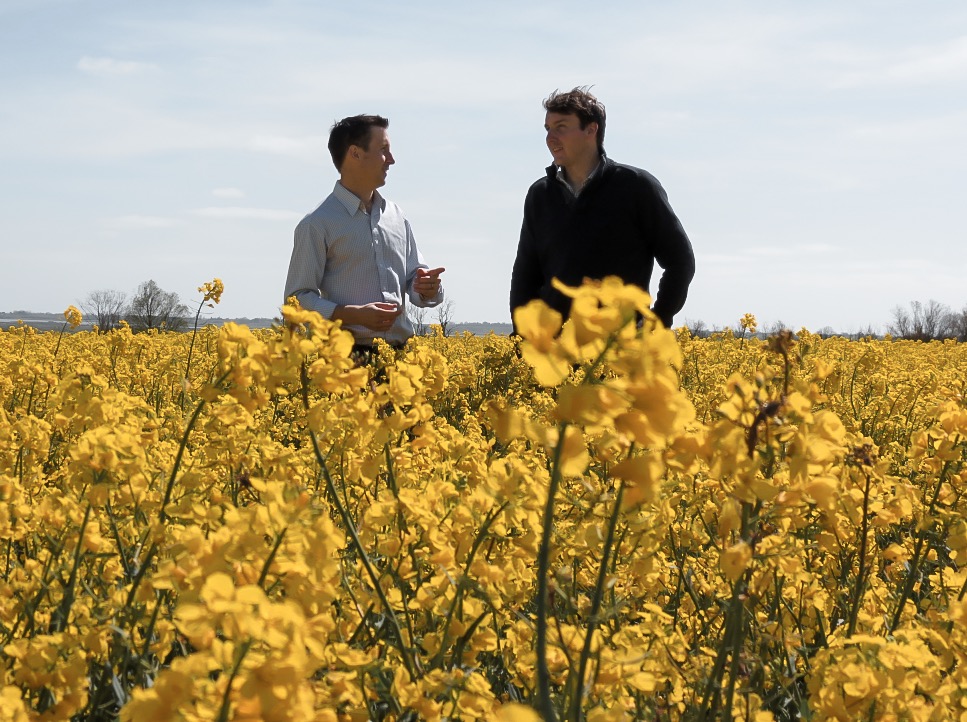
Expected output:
(462, 586)
(914, 572)
(577, 686)
(122, 552)
(169, 488)
(226, 708)
(544, 704)
(732, 638)
(160, 598)
(408, 662)
(731, 634)
(191, 347)
(61, 615)
(268, 562)
(860, 587)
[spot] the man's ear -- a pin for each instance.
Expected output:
(591, 129)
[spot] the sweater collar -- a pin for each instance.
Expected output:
(555, 173)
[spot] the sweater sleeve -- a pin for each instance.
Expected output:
(527, 278)
(673, 252)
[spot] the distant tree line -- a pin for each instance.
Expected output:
(931, 321)
(928, 322)
(151, 307)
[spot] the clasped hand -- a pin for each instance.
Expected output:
(379, 316)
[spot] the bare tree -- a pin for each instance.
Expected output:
(698, 329)
(418, 317)
(153, 307)
(444, 317)
(861, 334)
(958, 324)
(775, 328)
(901, 324)
(923, 322)
(105, 307)
(936, 320)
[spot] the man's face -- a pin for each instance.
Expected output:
(374, 161)
(566, 140)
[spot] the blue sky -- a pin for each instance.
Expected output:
(815, 152)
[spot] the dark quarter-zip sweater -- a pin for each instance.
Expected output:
(619, 225)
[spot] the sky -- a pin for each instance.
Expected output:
(815, 152)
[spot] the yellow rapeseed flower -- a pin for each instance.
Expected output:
(73, 316)
(735, 559)
(749, 323)
(212, 290)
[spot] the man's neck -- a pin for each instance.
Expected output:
(364, 193)
(577, 173)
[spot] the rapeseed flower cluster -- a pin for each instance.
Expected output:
(601, 520)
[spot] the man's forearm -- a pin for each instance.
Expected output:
(312, 301)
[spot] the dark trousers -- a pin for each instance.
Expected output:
(364, 354)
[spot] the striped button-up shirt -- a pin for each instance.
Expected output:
(343, 255)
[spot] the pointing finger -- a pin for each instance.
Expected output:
(433, 272)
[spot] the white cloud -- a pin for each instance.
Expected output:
(228, 193)
(239, 212)
(113, 66)
(810, 249)
(944, 62)
(135, 222)
(937, 129)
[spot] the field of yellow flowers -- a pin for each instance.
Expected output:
(609, 521)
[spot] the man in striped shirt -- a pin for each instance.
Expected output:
(354, 258)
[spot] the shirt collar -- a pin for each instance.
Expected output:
(561, 177)
(351, 201)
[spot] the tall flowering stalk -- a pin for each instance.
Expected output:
(606, 370)
(72, 318)
(748, 324)
(211, 295)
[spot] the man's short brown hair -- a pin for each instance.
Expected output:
(354, 130)
(581, 103)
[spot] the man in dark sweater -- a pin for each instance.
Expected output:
(590, 217)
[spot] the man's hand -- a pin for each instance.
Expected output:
(378, 317)
(427, 282)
